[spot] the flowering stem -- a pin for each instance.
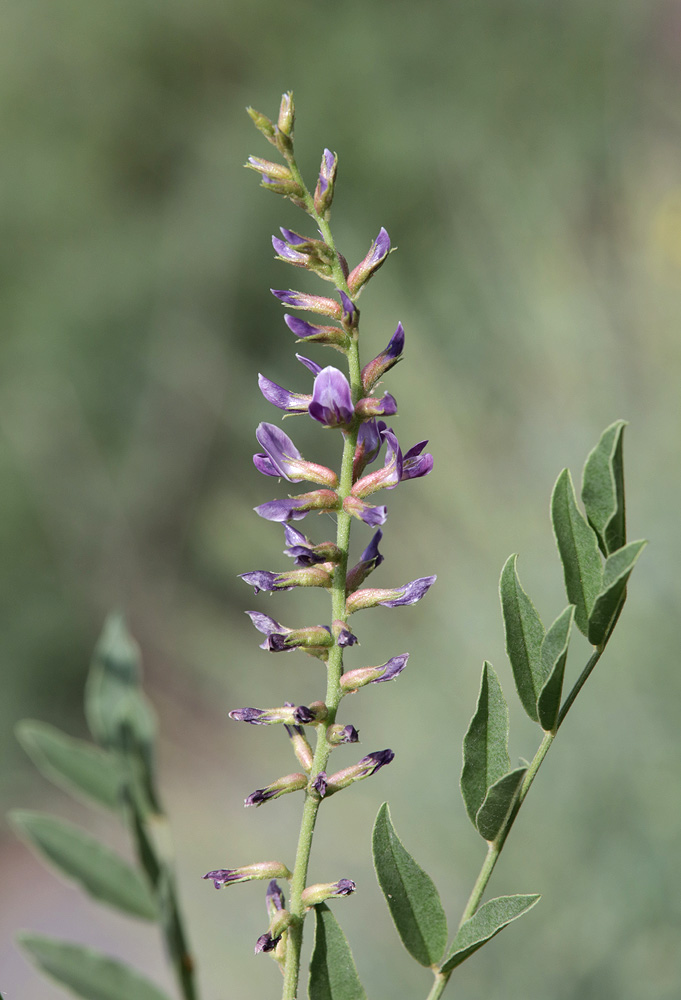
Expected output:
(334, 666)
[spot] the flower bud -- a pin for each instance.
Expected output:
(311, 576)
(295, 508)
(356, 772)
(301, 747)
(315, 894)
(263, 124)
(397, 598)
(355, 679)
(384, 361)
(349, 314)
(310, 303)
(248, 873)
(338, 735)
(319, 784)
(373, 516)
(377, 255)
(282, 786)
(323, 194)
(369, 560)
(276, 172)
(372, 407)
(274, 899)
(287, 114)
(333, 336)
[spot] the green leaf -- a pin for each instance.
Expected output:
(524, 635)
(498, 803)
(87, 973)
(603, 489)
(410, 893)
(554, 655)
(491, 918)
(76, 766)
(333, 975)
(118, 714)
(578, 549)
(78, 856)
(607, 607)
(485, 745)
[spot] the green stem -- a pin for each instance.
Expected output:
(334, 665)
(494, 849)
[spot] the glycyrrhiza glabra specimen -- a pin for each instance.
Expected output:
(119, 772)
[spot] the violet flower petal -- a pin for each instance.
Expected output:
(292, 402)
(392, 669)
(331, 401)
(280, 449)
(311, 366)
(412, 592)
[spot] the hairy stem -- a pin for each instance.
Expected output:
(334, 666)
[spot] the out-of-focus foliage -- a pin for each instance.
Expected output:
(524, 158)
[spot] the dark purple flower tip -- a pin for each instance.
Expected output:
(346, 638)
(344, 887)
(276, 643)
(378, 252)
(371, 553)
(414, 464)
(393, 668)
(287, 253)
(223, 876)
(274, 897)
(331, 401)
(395, 344)
(349, 311)
(252, 715)
(261, 579)
(384, 361)
(311, 366)
(292, 402)
(259, 796)
(376, 760)
(266, 943)
(411, 592)
(303, 716)
(319, 784)
(348, 735)
(380, 248)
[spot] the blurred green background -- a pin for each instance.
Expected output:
(524, 157)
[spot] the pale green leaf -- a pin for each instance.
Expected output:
(75, 765)
(78, 856)
(498, 803)
(491, 918)
(524, 635)
(554, 656)
(333, 975)
(410, 893)
(616, 573)
(87, 973)
(603, 489)
(578, 549)
(485, 745)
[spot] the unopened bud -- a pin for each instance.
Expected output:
(323, 195)
(315, 894)
(337, 735)
(282, 786)
(377, 255)
(355, 679)
(263, 124)
(248, 873)
(287, 114)
(384, 361)
(356, 772)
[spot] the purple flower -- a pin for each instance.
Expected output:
(399, 597)
(254, 716)
(373, 516)
(369, 441)
(291, 402)
(280, 638)
(295, 238)
(414, 464)
(295, 508)
(315, 894)
(263, 869)
(372, 407)
(327, 171)
(386, 478)
(310, 303)
(356, 772)
(282, 458)
(260, 579)
(384, 361)
(337, 735)
(375, 761)
(320, 334)
(346, 638)
(287, 253)
(344, 887)
(310, 576)
(274, 898)
(300, 548)
(266, 943)
(319, 784)
(355, 679)
(282, 786)
(332, 399)
(378, 252)
(368, 561)
(349, 313)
